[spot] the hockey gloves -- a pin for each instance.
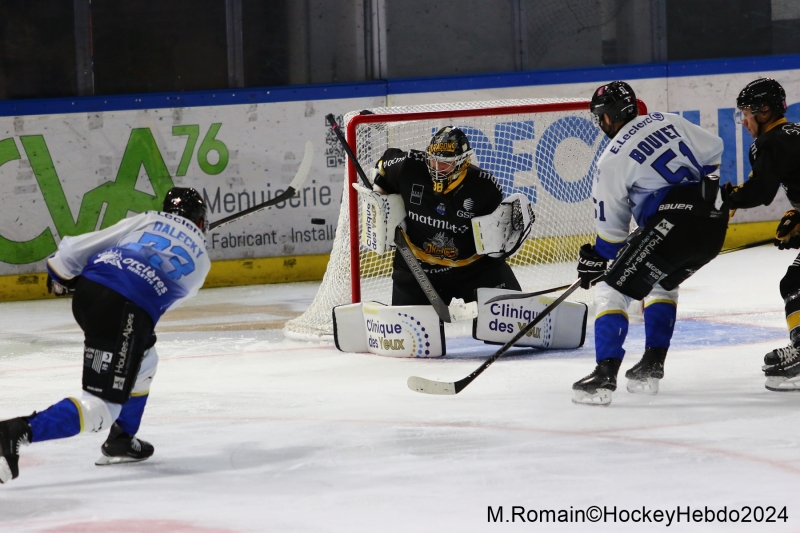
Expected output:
(58, 288)
(788, 233)
(591, 266)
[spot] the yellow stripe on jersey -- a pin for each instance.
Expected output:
(423, 256)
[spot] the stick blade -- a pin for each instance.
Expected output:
(304, 168)
(428, 386)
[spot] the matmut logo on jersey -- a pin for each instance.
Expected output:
(437, 223)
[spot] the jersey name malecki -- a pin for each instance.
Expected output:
(154, 259)
(438, 225)
(646, 158)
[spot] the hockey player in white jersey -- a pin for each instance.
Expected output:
(122, 279)
(656, 169)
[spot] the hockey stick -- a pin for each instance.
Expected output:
(441, 387)
(746, 246)
(422, 279)
(291, 190)
(339, 135)
(399, 235)
(519, 296)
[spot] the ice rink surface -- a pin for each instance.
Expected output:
(255, 433)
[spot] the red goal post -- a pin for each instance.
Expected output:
(543, 148)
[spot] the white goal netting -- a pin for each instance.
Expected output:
(545, 149)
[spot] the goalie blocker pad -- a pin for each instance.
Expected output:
(381, 214)
(109, 371)
(393, 331)
(498, 322)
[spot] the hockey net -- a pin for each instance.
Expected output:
(545, 149)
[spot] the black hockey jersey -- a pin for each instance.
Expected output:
(439, 226)
(775, 158)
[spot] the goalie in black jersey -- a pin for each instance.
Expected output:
(775, 160)
(458, 225)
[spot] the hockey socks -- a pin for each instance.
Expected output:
(659, 323)
(131, 415)
(58, 421)
(610, 330)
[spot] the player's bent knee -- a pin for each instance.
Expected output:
(110, 369)
(609, 300)
(146, 373)
(97, 414)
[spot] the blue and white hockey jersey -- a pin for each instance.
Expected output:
(154, 259)
(648, 156)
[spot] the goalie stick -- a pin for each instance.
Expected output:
(399, 235)
(291, 190)
(429, 386)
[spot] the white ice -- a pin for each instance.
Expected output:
(255, 433)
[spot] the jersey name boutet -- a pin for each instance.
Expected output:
(647, 157)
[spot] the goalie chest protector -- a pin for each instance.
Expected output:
(438, 225)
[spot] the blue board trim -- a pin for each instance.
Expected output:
(383, 88)
(96, 104)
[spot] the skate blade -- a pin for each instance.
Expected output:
(643, 386)
(105, 461)
(782, 384)
(600, 398)
(5, 471)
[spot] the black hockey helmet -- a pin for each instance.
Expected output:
(448, 157)
(761, 92)
(186, 202)
(615, 99)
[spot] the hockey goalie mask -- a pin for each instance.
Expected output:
(448, 157)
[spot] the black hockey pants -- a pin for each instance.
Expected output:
(451, 283)
(681, 237)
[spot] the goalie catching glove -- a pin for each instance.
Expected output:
(788, 233)
(502, 232)
(381, 214)
(591, 266)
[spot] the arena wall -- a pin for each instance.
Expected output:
(68, 166)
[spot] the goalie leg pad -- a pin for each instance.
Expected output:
(394, 331)
(498, 322)
(110, 369)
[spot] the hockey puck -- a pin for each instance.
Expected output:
(318, 221)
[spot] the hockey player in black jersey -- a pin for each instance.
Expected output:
(442, 191)
(775, 160)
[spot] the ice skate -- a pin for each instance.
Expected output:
(596, 388)
(780, 356)
(784, 376)
(13, 434)
(123, 448)
(644, 376)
